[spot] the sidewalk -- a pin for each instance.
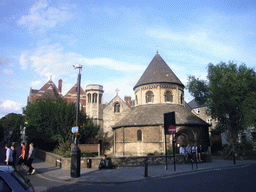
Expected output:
(130, 174)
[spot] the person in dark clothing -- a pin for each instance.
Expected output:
(14, 155)
(31, 156)
(103, 162)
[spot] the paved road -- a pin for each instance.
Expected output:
(231, 179)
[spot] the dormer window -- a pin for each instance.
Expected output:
(149, 97)
(116, 107)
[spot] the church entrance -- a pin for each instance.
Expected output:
(184, 137)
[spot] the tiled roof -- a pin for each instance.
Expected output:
(146, 115)
(193, 104)
(50, 93)
(158, 72)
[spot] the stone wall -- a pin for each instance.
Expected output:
(65, 163)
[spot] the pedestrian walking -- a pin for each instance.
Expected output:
(9, 158)
(23, 156)
(14, 155)
(31, 156)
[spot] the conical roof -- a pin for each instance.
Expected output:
(158, 72)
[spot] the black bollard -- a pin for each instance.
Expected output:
(75, 162)
(146, 168)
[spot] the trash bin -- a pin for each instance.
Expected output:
(89, 163)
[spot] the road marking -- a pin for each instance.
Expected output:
(246, 166)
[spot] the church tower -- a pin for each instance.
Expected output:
(159, 85)
(94, 103)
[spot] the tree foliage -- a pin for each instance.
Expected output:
(50, 123)
(15, 136)
(229, 94)
(7, 123)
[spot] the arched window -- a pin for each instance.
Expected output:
(168, 96)
(181, 98)
(94, 97)
(149, 97)
(139, 135)
(100, 98)
(89, 97)
(136, 98)
(116, 107)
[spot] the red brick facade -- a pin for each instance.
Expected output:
(50, 90)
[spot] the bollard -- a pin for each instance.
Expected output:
(146, 168)
(89, 163)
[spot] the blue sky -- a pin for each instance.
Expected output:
(115, 41)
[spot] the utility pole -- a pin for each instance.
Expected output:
(76, 152)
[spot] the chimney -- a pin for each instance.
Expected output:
(60, 85)
(128, 100)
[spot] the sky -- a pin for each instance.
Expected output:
(115, 41)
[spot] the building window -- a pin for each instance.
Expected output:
(94, 97)
(89, 98)
(139, 135)
(116, 108)
(149, 97)
(136, 99)
(168, 96)
(181, 98)
(100, 98)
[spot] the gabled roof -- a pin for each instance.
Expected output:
(73, 90)
(48, 90)
(151, 115)
(116, 98)
(158, 72)
(193, 104)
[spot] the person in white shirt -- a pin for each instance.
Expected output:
(183, 152)
(9, 158)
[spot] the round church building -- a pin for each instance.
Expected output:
(141, 131)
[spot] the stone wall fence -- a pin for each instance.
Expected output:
(65, 163)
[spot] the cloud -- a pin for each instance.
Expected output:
(41, 17)
(8, 71)
(195, 39)
(49, 60)
(116, 65)
(23, 61)
(36, 83)
(8, 106)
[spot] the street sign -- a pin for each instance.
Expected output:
(74, 129)
(169, 119)
(172, 129)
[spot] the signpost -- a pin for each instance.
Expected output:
(74, 129)
(169, 127)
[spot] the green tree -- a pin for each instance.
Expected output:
(50, 123)
(1, 132)
(15, 136)
(229, 94)
(8, 122)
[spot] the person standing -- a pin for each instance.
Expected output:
(188, 151)
(14, 155)
(23, 156)
(9, 158)
(31, 156)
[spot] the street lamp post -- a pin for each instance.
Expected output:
(76, 152)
